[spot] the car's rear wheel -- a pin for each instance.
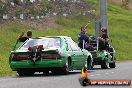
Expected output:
(63, 70)
(24, 72)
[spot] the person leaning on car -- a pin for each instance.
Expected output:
(23, 38)
(104, 39)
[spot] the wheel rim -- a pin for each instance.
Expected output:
(86, 64)
(107, 63)
(67, 66)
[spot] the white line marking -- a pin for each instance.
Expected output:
(91, 75)
(112, 72)
(98, 74)
(106, 73)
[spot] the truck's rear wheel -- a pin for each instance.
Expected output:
(104, 64)
(112, 65)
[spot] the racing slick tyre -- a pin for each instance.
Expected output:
(104, 64)
(23, 72)
(112, 65)
(62, 71)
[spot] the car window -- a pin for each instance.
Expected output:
(46, 42)
(73, 45)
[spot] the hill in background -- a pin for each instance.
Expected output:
(41, 13)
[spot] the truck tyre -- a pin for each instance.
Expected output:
(104, 64)
(112, 65)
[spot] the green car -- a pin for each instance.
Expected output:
(57, 54)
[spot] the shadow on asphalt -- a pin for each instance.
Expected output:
(102, 69)
(41, 74)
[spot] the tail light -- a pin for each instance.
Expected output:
(49, 56)
(17, 58)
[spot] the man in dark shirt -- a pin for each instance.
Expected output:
(22, 38)
(104, 39)
(82, 38)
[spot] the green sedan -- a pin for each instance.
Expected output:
(56, 54)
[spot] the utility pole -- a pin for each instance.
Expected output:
(103, 20)
(103, 14)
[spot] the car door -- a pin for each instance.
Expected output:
(77, 55)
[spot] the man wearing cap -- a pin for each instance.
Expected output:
(23, 38)
(104, 39)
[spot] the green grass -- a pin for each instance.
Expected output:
(120, 24)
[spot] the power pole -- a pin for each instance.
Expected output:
(103, 20)
(103, 14)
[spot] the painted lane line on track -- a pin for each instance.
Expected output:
(112, 72)
(98, 74)
(91, 75)
(106, 73)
